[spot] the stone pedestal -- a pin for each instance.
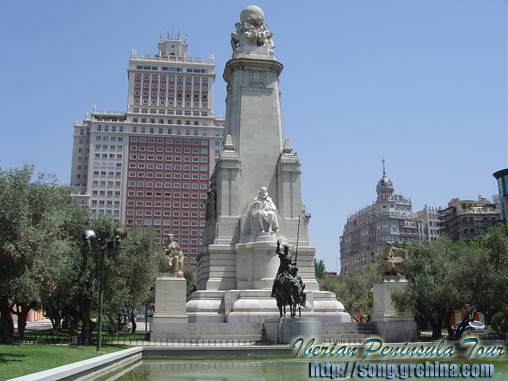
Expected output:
(252, 306)
(392, 325)
(170, 295)
(256, 264)
(255, 306)
(287, 330)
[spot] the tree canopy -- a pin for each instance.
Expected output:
(445, 276)
(352, 289)
(44, 262)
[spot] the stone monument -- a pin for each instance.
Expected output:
(255, 196)
(170, 293)
(175, 257)
(391, 324)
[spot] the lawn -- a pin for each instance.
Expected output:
(20, 360)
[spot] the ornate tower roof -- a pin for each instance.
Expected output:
(384, 187)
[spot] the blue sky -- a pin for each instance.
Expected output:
(421, 83)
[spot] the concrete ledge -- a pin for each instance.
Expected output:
(86, 369)
(83, 370)
(279, 351)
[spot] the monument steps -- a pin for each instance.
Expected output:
(331, 331)
(229, 330)
(353, 330)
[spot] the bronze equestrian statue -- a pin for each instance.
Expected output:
(288, 288)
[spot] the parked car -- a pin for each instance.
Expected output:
(472, 326)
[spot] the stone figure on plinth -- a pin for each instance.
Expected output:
(393, 258)
(175, 257)
(252, 29)
(392, 324)
(210, 204)
(263, 211)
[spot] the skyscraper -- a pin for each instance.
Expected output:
(150, 166)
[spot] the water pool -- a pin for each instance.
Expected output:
(205, 367)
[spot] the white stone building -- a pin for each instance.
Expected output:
(428, 223)
(389, 218)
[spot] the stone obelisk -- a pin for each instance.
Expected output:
(255, 196)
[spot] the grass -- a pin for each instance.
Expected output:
(20, 360)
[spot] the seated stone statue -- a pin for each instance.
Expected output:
(175, 256)
(263, 211)
(393, 258)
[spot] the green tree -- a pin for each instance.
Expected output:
(319, 268)
(445, 276)
(128, 272)
(43, 259)
(83, 283)
(431, 292)
(353, 290)
(494, 276)
(190, 277)
(141, 262)
(38, 227)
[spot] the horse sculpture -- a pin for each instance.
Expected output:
(289, 291)
(301, 300)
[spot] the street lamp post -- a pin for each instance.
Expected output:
(146, 310)
(98, 242)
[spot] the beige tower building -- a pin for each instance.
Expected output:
(389, 218)
(150, 166)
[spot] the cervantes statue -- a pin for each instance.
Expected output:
(263, 209)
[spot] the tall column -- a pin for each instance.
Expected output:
(253, 119)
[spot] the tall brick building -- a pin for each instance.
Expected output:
(150, 166)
